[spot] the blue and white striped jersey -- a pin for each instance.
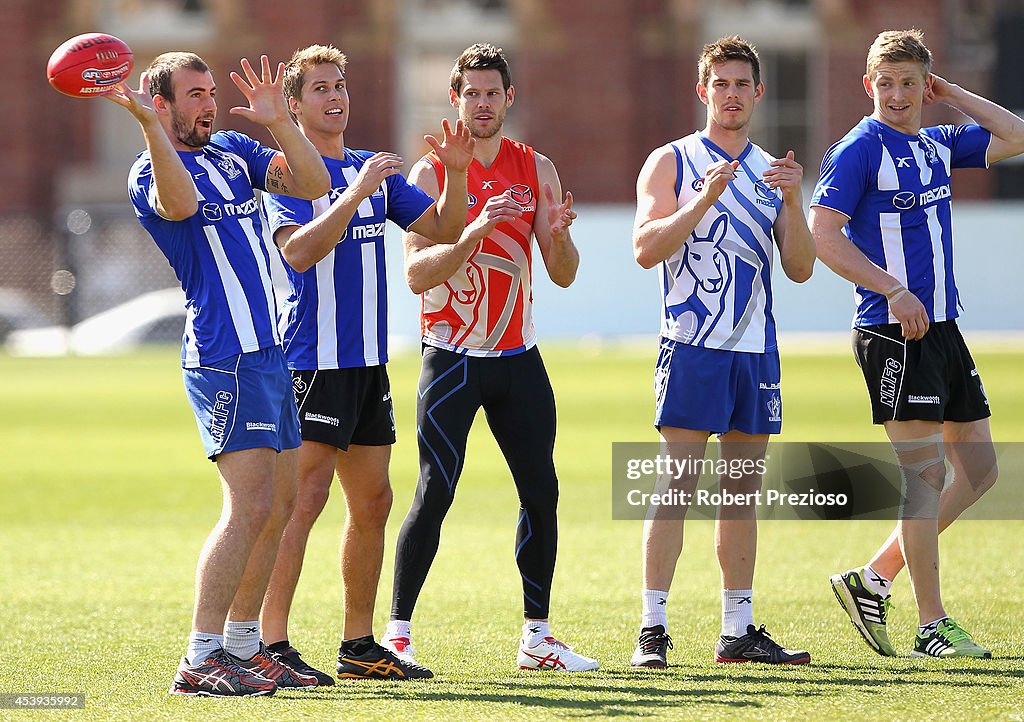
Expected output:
(218, 254)
(716, 288)
(895, 189)
(337, 313)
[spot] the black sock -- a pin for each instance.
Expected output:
(357, 646)
(278, 646)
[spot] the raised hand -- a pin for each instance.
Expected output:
(560, 215)
(497, 209)
(717, 177)
(266, 101)
(785, 174)
(455, 149)
(138, 102)
(378, 167)
(936, 89)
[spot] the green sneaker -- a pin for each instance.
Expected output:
(867, 610)
(948, 639)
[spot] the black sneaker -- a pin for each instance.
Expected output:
(263, 664)
(652, 648)
(757, 646)
(219, 676)
(378, 663)
(291, 659)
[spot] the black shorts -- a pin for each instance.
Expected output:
(345, 406)
(933, 379)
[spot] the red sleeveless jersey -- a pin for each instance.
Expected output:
(486, 308)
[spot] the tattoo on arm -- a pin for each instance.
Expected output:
(275, 180)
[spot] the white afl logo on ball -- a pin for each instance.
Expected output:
(904, 200)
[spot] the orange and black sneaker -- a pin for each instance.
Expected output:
(267, 667)
(378, 663)
(219, 676)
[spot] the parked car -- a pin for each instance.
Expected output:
(154, 317)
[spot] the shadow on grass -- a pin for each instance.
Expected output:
(620, 692)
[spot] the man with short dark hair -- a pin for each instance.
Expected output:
(710, 208)
(479, 350)
(194, 191)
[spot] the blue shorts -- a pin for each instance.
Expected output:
(707, 389)
(244, 402)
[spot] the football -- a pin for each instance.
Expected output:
(89, 65)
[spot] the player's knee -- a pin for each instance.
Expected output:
(254, 513)
(934, 475)
(309, 502)
(371, 509)
(984, 478)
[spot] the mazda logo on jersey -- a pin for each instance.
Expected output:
(904, 200)
(214, 212)
(211, 212)
(521, 194)
(765, 195)
(471, 202)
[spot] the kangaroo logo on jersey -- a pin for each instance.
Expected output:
(704, 260)
(931, 157)
(521, 194)
(775, 408)
(230, 168)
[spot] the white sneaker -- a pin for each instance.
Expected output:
(549, 653)
(401, 647)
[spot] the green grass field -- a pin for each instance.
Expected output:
(107, 499)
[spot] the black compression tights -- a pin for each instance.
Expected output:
(516, 396)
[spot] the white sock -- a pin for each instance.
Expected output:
(655, 609)
(242, 639)
(875, 582)
(398, 628)
(737, 611)
(201, 645)
(925, 629)
(535, 632)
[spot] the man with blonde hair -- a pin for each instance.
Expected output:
(881, 216)
(335, 341)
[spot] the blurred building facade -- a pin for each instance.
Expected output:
(600, 84)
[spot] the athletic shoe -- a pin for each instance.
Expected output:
(652, 648)
(290, 658)
(219, 676)
(757, 646)
(549, 653)
(401, 647)
(948, 639)
(379, 663)
(867, 610)
(263, 664)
